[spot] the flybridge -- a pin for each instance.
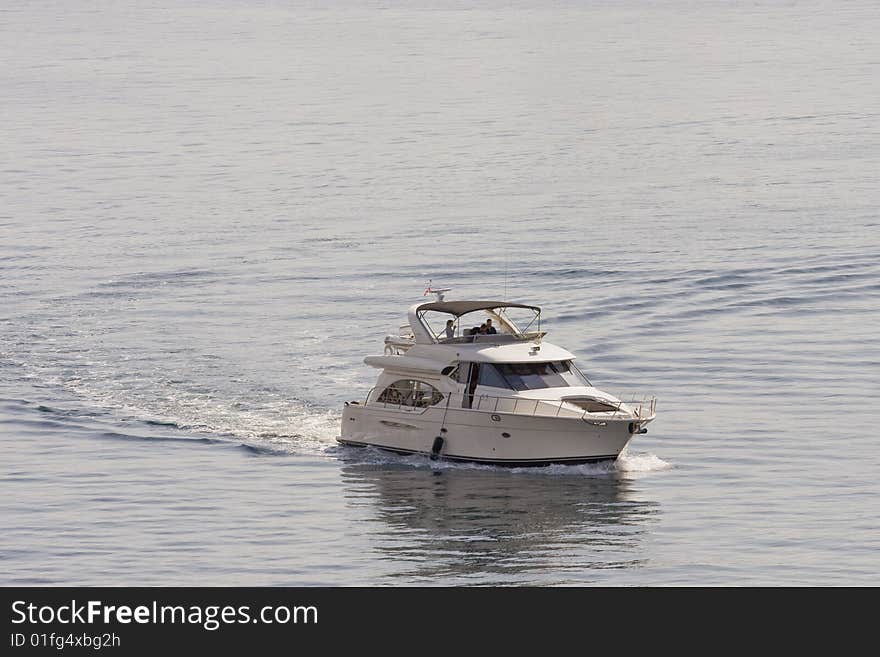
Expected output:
(456, 330)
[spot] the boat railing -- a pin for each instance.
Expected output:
(640, 408)
(493, 338)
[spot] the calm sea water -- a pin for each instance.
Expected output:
(211, 211)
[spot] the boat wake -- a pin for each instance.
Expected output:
(276, 428)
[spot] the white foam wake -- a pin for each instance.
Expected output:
(639, 463)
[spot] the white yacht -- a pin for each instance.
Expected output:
(495, 393)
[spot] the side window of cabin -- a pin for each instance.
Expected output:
(572, 375)
(396, 393)
(432, 395)
(409, 392)
(532, 376)
(490, 376)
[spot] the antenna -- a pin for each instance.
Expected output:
(438, 292)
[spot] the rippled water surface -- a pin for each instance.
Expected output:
(211, 211)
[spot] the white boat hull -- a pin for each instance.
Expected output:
(485, 437)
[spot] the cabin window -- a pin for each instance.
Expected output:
(409, 392)
(534, 376)
(490, 376)
(525, 376)
(570, 373)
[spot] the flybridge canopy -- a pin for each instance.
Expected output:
(459, 308)
(507, 330)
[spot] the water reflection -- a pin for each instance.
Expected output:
(464, 525)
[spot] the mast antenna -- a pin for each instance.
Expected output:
(439, 292)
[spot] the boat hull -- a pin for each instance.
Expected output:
(505, 439)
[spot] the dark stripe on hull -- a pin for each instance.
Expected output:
(509, 463)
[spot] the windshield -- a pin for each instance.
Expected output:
(531, 376)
